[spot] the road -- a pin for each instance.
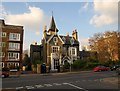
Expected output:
(84, 81)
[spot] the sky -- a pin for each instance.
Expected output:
(87, 17)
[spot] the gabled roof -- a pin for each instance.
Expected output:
(53, 36)
(47, 37)
(68, 39)
(52, 25)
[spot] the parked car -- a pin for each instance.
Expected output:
(101, 68)
(118, 70)
(114, 67)
(4, 74)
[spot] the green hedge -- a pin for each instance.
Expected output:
(91, 65)
(78, 64)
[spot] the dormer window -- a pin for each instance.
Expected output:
(72, 41)
(63, 38)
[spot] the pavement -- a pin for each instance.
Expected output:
(47, 74)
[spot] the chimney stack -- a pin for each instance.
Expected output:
(45, 31)
(74, 34)
(67, 34)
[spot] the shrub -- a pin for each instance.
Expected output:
(91, 65)
(66, 66)
(78, 64)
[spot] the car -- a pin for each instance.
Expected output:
(101, 68)
(114, 67)
(4, 74)
(118, 70)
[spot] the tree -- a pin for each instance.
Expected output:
(27, 62)
(106, 45)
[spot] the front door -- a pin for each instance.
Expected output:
(56, 63)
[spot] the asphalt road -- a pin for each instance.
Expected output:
(83, 81)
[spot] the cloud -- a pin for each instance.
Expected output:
(85, 5)
(106, 13)
(83, 42)
(37, 33)
(3, 13)
(33, 20)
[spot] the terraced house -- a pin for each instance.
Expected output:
(58, 49)
(11, 45)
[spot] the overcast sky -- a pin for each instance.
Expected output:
(87, 17)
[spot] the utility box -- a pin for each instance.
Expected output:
(47, 69)
(39, 68)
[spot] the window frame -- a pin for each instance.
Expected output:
(55, 49)
(2, 54)
(2, 44)
(14, 46)
(3, 34)
(71, 51)
(14, 36)
(13, 56)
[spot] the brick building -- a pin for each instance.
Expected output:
(11, 45)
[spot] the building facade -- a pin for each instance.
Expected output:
(86, 55)
(36, 53)
(11, 45)
(59, 49)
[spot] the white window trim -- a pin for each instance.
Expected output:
(2, 64)
(14, 46)
(14, 36)
(56, 47)
(14, 56)
(17, 64)
(13, 63)
(71, 52)
(3, 34)
(2, 44)
(3, 54)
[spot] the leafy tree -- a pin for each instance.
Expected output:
(27, 62)
(106, 45)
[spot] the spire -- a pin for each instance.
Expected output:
(52, 25)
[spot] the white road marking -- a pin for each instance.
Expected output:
(75, 86)
(101, 80)
(65, 83)
(39, 86)
(19, 87)
(29, 87)
(78, 81)
(57, 84)
(47, 85)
